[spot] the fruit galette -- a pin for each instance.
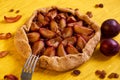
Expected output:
(62, 37)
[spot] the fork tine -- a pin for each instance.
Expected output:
(35, 63)
(31, 64)
(27, 63)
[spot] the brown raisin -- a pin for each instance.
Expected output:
(97, 5)
(17, 11)
(97, 72)
(11, 10)
(101, 5)
(101, 74)
(116, 75)
(113, 75)
(76, 72)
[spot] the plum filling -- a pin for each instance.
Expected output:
(58, 33)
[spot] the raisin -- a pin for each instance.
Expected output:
(76, 72)
(99, 5)
(113, 75)
(11, 10)
(101, 74)
(97, 72)
(17, 11)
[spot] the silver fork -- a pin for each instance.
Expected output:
(29, 67)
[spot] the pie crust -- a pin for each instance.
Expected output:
(56, 63)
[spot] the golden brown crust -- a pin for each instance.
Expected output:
(21, 42)
(56, 63)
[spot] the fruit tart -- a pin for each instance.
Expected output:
(62, 37)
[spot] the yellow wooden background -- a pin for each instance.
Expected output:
(13, 63)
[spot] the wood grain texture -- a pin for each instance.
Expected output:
(13, 62)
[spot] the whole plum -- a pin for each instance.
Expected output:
(109, 47)
(110, 28)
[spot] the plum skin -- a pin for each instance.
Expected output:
(110, 28)
(109, 47)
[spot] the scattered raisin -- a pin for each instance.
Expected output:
(11, 10)
(101, 74)
(17, 11)
(113, 75)
(116, 76)
(97, 72)
(76, 72)
(99, 5)
(89, 13)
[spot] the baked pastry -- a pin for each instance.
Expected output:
(62, 37)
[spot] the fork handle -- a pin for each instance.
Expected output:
(26, 76)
